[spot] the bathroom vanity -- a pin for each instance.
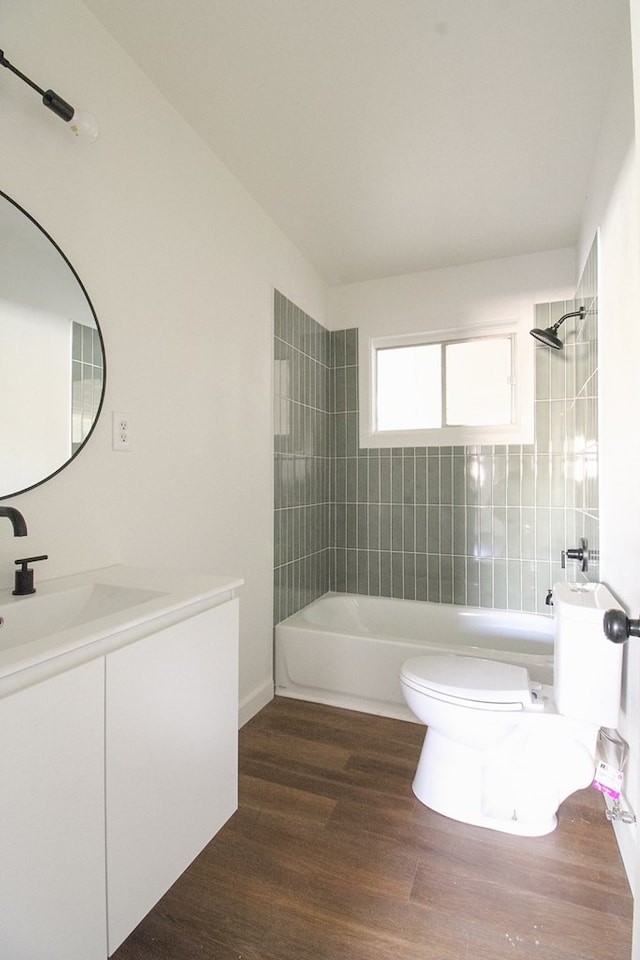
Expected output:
(118, 739)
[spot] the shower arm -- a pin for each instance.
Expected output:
(574, 313)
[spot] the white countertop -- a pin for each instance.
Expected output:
(155, 599)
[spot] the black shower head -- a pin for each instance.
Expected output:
(550, 336)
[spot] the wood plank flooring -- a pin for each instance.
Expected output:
(330, 857)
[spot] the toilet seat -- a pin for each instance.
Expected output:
(469, 681)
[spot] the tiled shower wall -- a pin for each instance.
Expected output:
(479, 526)
(303, 428)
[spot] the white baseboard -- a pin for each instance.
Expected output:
(626, 837)
(254, 702)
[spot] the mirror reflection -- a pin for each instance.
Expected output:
(52, 363)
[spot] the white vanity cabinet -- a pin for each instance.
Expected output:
(52, 882)
(118, 752)
(171, 757)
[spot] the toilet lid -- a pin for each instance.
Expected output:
(469, 678)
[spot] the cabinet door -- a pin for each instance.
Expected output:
(52, 884)
(171, 765)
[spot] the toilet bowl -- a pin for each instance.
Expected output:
(503, 752)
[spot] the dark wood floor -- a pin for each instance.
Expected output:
(330, 857)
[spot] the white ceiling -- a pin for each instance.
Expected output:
(391, 136)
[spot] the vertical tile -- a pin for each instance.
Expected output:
(433, 577)
(351, 467)
(397, 479)
(528, 481)
(446, 531)
(543, 374)
(472, 531)
(514, 530)
(473, 582)
(351, 346)
(351, 388)
(486, 531)
(421, 529)
(446, 579)
(397, 527)
(542, 480)
(385, 479)
(433, 529)
(472, 471)
(543, 533)
(459, 480)
(409, 576)
(397, 575)
(339, 348)
(373, 481)
(514, 476)
(373, 520)
(363, 573)
(499, 532)
(528, 533)
(340, 584)
(499, 481)
(420, 480)
(500, 584)
(486, 582)
(351, 524)
(408, 528)
(460, 580)
(422, 576)
(385, 526)
(363, 526)
(373, 559)
(459, 530)
(529, 587)
(363, 479)
(514, 585)
(433, 480)
(385, 574)
(446, 479)
(408, 480)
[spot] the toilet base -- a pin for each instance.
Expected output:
(497, 788)
(516, 827)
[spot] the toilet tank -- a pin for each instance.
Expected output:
(587, 666)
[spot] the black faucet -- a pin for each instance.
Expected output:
(17, 520)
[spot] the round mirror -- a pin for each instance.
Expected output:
(52, 360)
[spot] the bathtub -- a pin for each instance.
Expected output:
(347, 650)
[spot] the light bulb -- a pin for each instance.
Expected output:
(84, 125)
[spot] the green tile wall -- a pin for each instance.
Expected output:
(479, 526)
(302, 465)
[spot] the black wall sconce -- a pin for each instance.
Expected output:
(80, 123)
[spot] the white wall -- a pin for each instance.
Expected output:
(454, 296)
(180, 264)
(613, 209)
(619, 451)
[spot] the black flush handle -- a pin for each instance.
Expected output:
(618, 628)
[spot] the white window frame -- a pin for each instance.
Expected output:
(521, 430)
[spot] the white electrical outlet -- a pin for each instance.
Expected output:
(121, 431)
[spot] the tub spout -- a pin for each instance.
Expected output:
(17, 520)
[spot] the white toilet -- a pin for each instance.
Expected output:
(501, 751)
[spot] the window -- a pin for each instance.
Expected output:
(423, 390)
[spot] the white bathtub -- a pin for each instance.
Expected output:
(347, 650)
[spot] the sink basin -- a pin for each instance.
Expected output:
(73, 619)
(25, 619)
